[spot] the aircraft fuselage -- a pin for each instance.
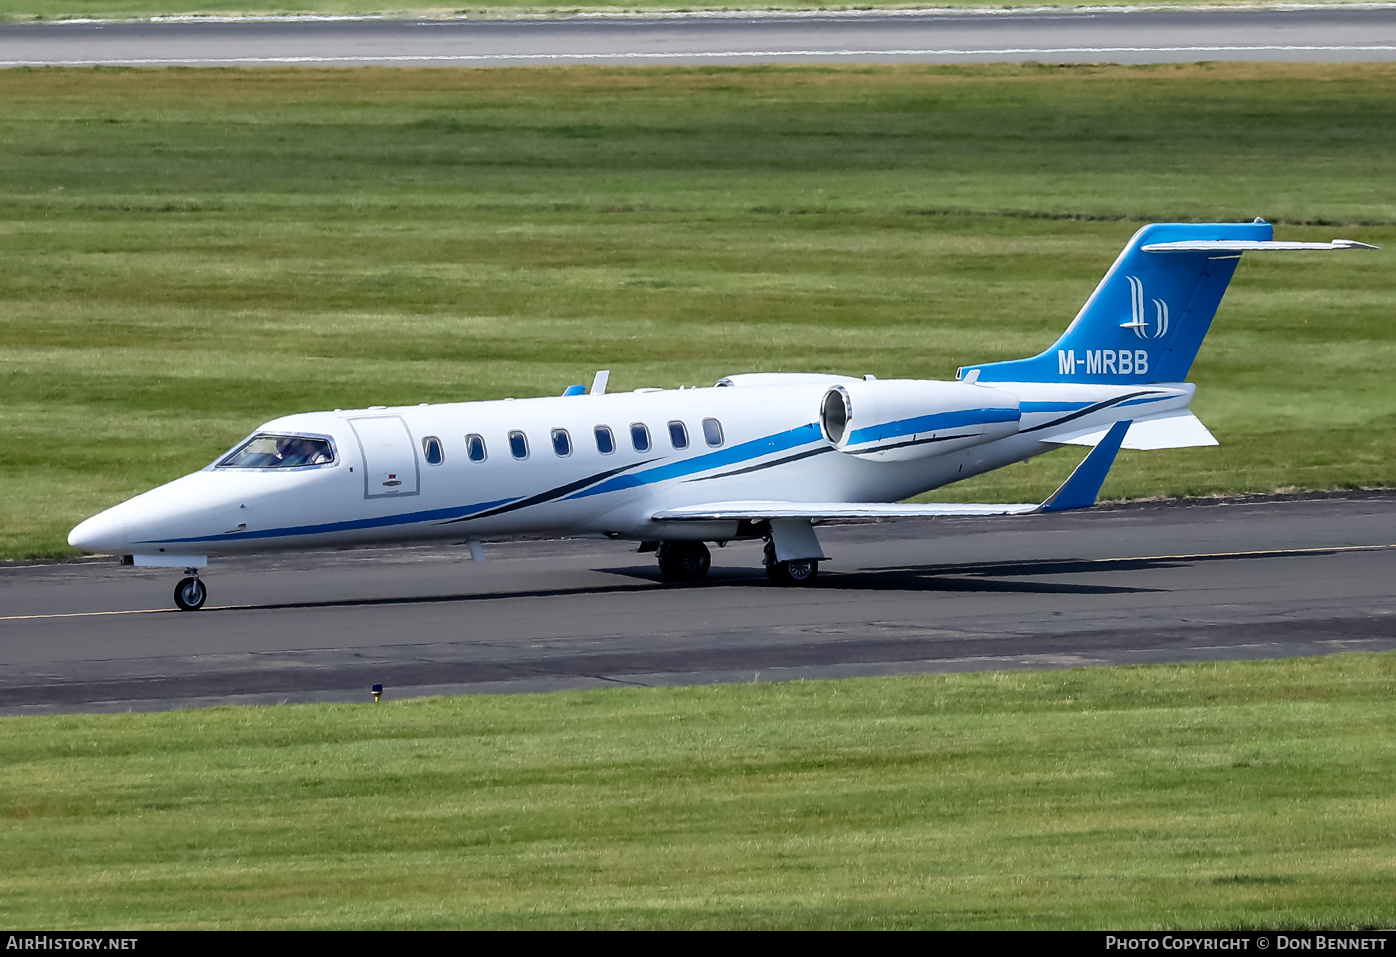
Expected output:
(406, 473)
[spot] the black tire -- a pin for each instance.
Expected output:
(800, 571)
(684, 561)
(190, 594)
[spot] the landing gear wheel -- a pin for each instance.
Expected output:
(190, 594)
(799, 571)
(684, 561)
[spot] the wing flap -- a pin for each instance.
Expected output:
(822, 511)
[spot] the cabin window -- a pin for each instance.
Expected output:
(678, 435)
(518, 445)
(605, 441)
(431, 447)
(267, 451)
(640, 436)
(712, 432)
(475, 447)
(562, 443)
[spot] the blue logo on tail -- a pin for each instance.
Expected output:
(1138, 323)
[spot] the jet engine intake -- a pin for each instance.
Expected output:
(897, 420)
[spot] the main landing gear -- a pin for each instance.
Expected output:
(684, 561)
(799, 571)
(689, 562)
(191, 592)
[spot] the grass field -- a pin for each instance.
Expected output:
(21, 10)
(1254, 794)
(188, 253)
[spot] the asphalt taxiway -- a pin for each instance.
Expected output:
(1133, 36)
(1130, 585)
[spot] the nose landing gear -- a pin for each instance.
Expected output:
(190, 593)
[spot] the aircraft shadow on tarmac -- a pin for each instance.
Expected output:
(986, 577)
(974, 577)
(928, 578)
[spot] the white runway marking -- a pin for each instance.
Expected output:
(1340, 33)
(692, 55)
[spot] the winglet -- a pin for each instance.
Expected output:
(1081, 489)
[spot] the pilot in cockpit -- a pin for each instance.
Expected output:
(294, 450)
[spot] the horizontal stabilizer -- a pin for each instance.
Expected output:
(1247, 246)
(1176, 430)
(823, 511)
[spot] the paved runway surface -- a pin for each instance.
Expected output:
(1115, 586)
(1139, 36)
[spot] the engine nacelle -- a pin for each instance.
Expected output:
(895, 420)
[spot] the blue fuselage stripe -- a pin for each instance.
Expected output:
(1030, 408)
(407, 518)
(932, 423)
(780, 442)
(746, 451)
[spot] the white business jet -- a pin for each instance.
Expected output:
(758, 456)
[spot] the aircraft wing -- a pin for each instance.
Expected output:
(824, 511)
(1078, 491)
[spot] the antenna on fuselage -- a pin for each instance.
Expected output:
(598, 385)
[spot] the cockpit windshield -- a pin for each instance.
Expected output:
(266, 451)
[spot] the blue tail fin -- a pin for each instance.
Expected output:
(1146, 319)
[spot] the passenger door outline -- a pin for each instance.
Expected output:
(389, 455)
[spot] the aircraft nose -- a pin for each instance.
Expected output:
(103, 532)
